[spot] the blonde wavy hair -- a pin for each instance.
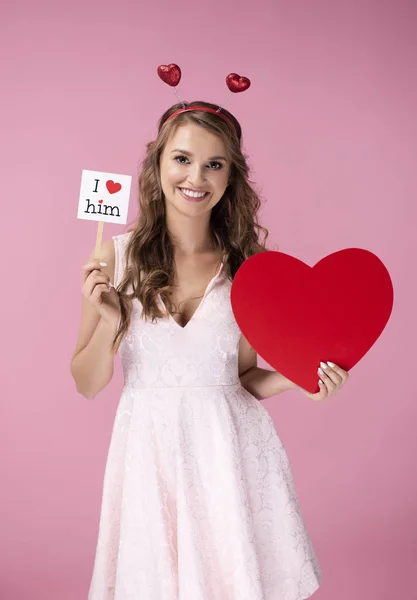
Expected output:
(150, 265)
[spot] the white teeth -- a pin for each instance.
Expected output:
(193, 194)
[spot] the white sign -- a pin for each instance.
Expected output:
(104, 197)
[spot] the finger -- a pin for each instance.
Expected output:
(95, 280)
(330, 385)
(99, 289)
(92, 265)
(343, 374)
(331, 374)
(324, 392)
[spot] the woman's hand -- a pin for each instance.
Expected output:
(100, 292)
(332, 379)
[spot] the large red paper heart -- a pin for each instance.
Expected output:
(170, 74)
(295, 315)
(237, 84)
(113, 187)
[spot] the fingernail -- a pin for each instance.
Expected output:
(110, 284)
(102, 264)
(330, 364)
(320, 382)
(321, 371)
(323, 365)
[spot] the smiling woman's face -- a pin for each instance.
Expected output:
(194, 159)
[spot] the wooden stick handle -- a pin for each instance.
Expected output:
(98, 240)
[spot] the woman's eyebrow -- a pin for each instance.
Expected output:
(190, 154)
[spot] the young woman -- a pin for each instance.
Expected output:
(198, 497)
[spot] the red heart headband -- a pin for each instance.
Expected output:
(171, 74)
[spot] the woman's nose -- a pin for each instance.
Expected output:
(196, 175)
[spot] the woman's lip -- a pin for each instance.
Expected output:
(191, 198)
(191, 190)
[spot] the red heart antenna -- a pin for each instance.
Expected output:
(171, 74)
(236, 84)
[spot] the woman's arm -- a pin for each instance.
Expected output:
(261, 383)
(92, 362)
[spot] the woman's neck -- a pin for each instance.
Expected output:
(191, 237)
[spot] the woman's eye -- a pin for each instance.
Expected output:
(218, 165)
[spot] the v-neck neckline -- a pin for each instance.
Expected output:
(209, 286)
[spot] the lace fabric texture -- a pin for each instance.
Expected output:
(198, 497)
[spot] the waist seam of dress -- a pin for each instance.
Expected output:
(180, 387)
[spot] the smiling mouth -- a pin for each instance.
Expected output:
(193, 195)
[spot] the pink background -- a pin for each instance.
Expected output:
(330, 127)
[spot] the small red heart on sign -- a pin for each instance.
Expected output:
(295, 316)
(100, 201)
(237, 84)
(170, 74)
(113, 187)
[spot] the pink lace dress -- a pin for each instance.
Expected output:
(198, 498)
